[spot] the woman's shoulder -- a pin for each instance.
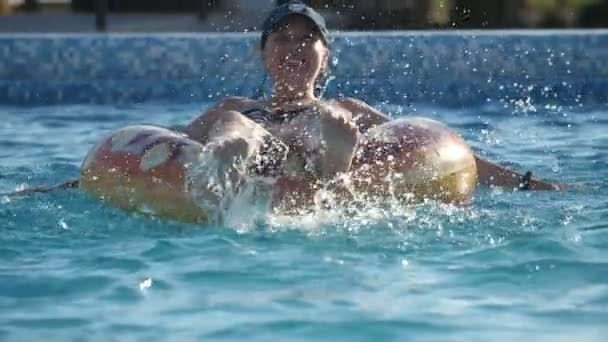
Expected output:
(349, 103)
(364, 115)
(237, 103)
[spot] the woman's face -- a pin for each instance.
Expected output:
(295, 53)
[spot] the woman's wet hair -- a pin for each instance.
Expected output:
(293, 8)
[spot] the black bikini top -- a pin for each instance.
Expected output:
(263, 115)
(300, 161)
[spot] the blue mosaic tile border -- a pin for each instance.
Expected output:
(444, 67)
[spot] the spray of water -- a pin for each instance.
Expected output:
(245, 203)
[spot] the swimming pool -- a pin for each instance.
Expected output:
(512, 265)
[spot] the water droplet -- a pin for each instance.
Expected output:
(145, 284)
(62, 224)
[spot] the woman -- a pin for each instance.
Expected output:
(302, 141)
(295, 53)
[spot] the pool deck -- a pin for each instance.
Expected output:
(61, 21)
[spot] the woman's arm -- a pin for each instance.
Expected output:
(341, 138)
(491, 174)
(488, 173)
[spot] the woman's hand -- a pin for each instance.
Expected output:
(339, 139)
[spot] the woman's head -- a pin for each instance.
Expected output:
(294, 47)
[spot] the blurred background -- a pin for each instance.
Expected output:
(246, 15)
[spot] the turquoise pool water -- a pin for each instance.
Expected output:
(511, 265)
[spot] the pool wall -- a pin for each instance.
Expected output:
(451, 68)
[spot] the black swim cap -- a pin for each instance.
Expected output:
(293, 7)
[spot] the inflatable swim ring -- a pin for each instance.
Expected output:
(145, 168)
(156, 170)
(414, 159)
